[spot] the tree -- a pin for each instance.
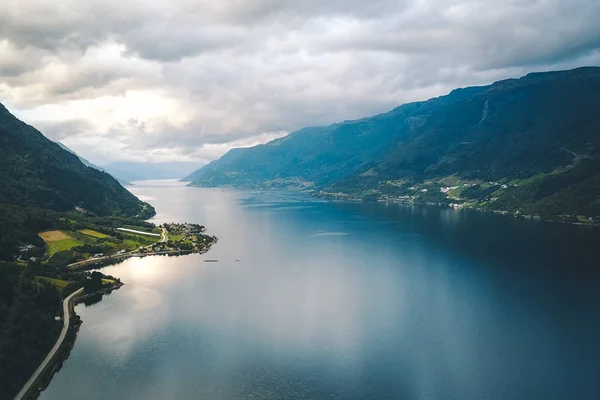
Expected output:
(93, 283)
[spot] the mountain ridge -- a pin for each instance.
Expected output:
(41, 182)
(88, 163)
(509, 131)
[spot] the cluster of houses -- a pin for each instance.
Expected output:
(26, 247)
(25, 253)
(446, 189)
(502, 185)
(186, 228)
(402, 199)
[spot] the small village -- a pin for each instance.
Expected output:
(181, 237)
(85, 248)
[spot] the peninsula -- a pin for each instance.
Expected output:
(90, 248)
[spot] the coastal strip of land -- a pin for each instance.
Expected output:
(196, 243)
(85, 248)
(107, 260)
(51, 271)
(59, 352)
(66, 320)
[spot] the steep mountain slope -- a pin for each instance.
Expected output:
(529, 133)
(38, 178)
(514, 128)
(320, 155)
(37, 172)
(83, 160)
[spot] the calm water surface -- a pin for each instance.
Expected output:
(318, 300)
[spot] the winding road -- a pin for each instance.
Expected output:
(61, 338)
(66, 319)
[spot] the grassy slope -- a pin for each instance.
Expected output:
(92, 233)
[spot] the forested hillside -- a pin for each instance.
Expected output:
(87, 163)
(528, 145)
(39, 181)
(44, 186)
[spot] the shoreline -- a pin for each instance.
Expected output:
(529, 217)
(344, 198)
(53, 362)
(504, 213)
(454, 206)
(60, 352)
(35, 384)
(110, 260)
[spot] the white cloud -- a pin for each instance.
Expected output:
(187, 80)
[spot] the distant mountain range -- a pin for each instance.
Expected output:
(528, 145)
(40, 180)
(132, 171)
(127, 172)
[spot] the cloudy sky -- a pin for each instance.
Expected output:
(185, 80)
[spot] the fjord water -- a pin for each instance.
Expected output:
(322, 300)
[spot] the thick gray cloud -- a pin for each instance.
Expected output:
(189, 79)
(61, 130)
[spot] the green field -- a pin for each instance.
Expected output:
(174, 237)
(131, 244)
(455, 193)
(93, 233)
(59, 241)
(62, 245)
(134, 241)
(60, 284)
(451, 180)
